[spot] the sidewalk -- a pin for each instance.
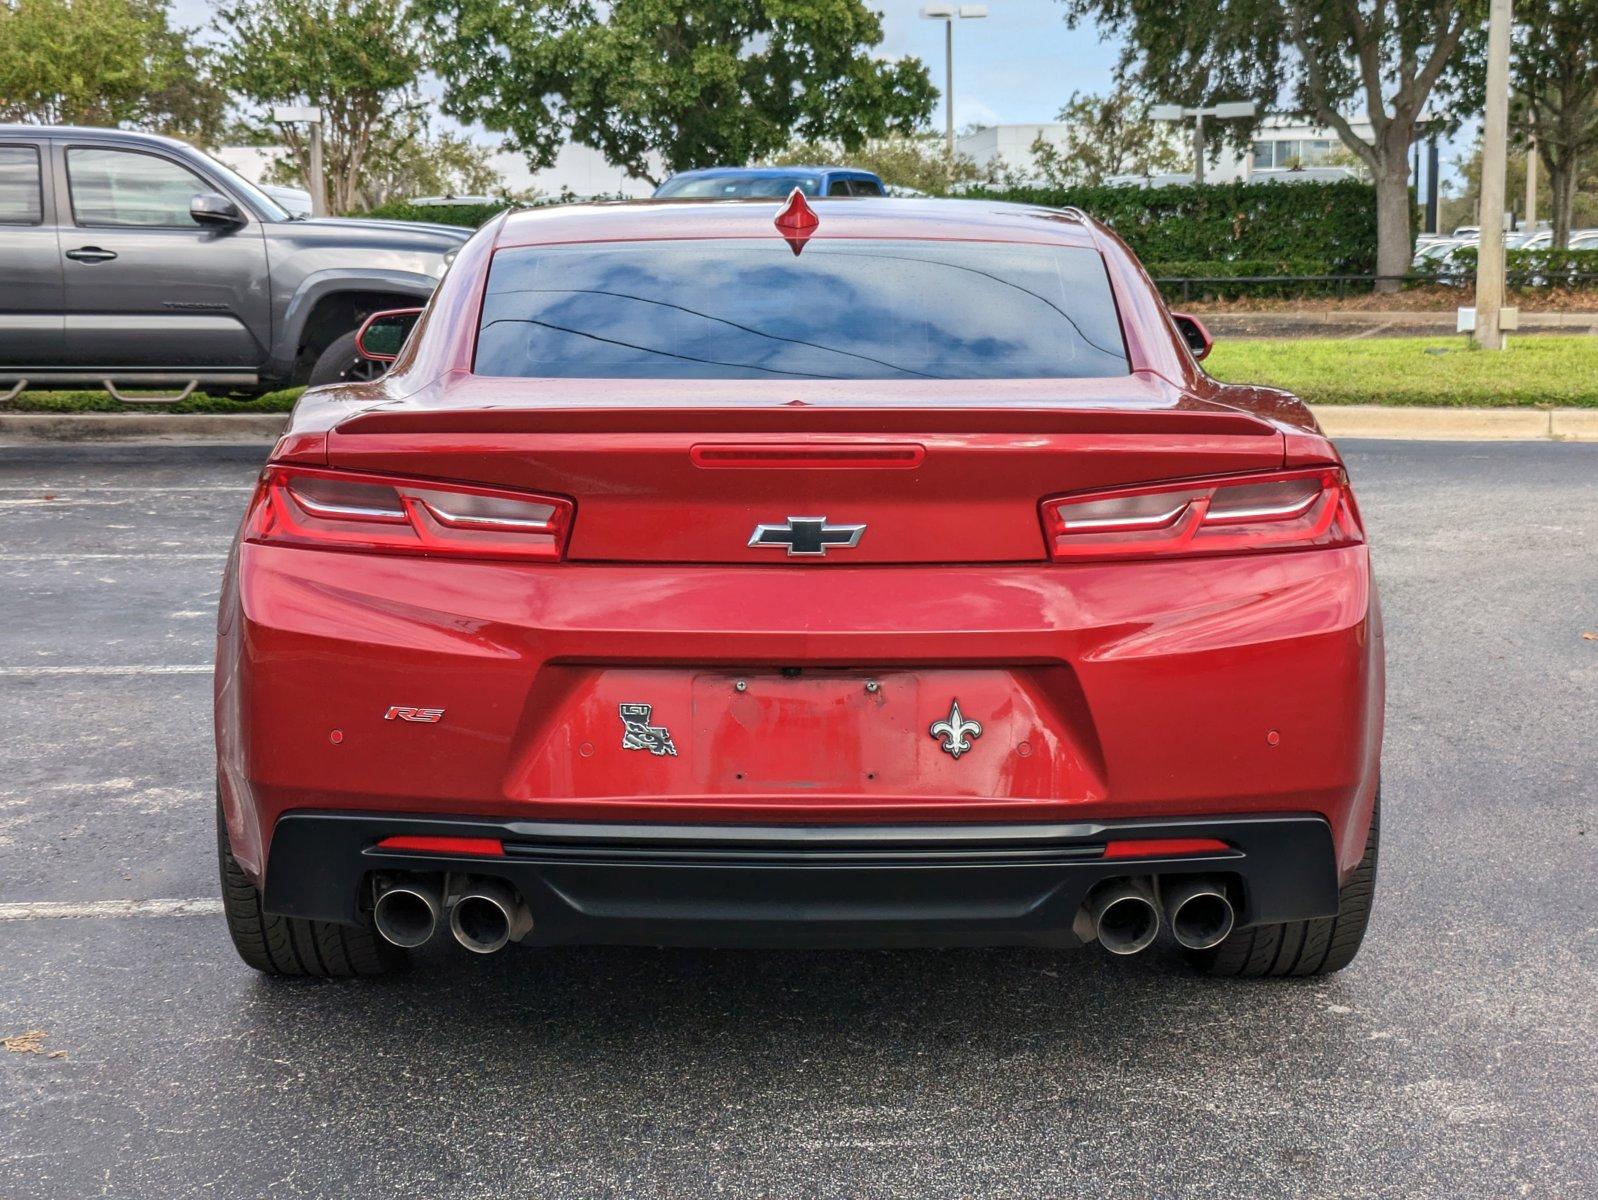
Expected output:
(1314, 324)
(1339, 421)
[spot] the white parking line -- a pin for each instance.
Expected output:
(156, 669)
(40, 910)
(97, 556)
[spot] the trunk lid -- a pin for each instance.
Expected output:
(935, 473)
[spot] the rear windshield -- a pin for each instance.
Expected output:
(842, 309)
(736, 187)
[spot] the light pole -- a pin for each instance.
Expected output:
(314, 182)
(1494, 163)
(1228, 111)
(947, 13)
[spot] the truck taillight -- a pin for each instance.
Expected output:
(1282, 510)
(346, 510)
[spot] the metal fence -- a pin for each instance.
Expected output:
(1187, 287)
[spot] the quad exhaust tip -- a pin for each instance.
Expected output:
(1125, 918)
(406, 912)
(1201, 913)
(488, 915)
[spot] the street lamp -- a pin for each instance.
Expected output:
(312, 116)
(1231, 110)
(947, 13)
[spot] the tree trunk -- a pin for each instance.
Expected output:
(1395, 242)
(1562, 185)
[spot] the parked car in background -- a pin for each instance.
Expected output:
(295, 201)
(739, 183)
(132, 260)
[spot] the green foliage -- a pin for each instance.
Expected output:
(467, 216)
(359, 60)
(198, 402)
(918, 162)
(1106, 136)
(1440, 372)
(1556, 95)
(1537, 268)
(698, 82)
(104, 62)
(1330, 225)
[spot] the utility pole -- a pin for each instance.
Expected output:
(1494, 163)
(1228, 111)
(947, 13)
(315, 180)
(1531, 184)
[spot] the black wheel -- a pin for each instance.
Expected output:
(1316, 947)
(290, 945)
(342, 363)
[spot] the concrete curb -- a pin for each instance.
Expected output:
(1339, 421)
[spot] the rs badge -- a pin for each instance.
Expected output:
(420, 716)
(956, 732)
(638, 734)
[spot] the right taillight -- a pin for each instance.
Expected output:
(1240, 514)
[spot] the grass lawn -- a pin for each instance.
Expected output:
(1536, 370)
(1439, 371)
(199, 402)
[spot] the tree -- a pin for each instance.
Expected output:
(1555, 79)
(104, 62)
(358, 60)
(919, 162)
(698, 82)
(409, 160)
(1105, 136)
(1321, 59)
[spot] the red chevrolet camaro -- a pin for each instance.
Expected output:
(870, 572)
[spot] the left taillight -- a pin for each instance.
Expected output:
(1281, 510)
(346, 510)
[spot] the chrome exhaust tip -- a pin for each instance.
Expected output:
(406, 912)
(1125, 917)
(488, 915)
(1201, 913)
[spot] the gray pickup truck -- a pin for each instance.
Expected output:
(134, 261)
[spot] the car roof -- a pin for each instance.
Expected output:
(88, 133)
(886, 217)
(768, 172)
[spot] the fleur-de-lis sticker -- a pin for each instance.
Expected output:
(956, 732)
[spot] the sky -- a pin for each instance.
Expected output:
(1018, 65)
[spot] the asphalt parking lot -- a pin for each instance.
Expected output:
(1455, 1058)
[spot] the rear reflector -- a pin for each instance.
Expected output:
(1164, 847)
(338, 510)
(1240, 514)
(485, 847)
(811, 457)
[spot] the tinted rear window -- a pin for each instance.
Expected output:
(844, 309)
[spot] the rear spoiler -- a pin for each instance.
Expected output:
(1190, 417)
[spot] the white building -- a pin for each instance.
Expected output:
(1280, 144)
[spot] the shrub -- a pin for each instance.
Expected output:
(1538, 268)
(1331, 225)
(468, 216)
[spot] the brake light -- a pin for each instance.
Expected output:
(1282, 510)
(337, 510)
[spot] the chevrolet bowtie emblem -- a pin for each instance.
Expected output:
(806, 535)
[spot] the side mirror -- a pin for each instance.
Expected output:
(209, 208)
(383, 335)
(1198, 338)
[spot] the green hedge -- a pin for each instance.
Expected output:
(1332, 225)
(468, 216)
(1535, 268)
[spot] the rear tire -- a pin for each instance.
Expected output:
(277, 945)
(1315, 947)
(341, 362)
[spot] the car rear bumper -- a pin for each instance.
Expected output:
(795, 886)
(1115, 692)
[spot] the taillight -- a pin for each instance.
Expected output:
(339, 510)
(1283, 510)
